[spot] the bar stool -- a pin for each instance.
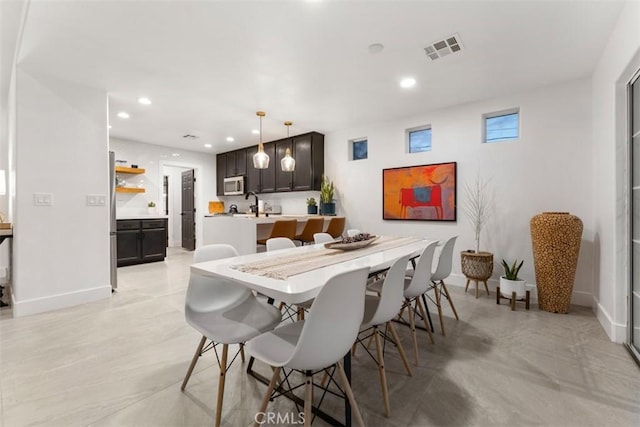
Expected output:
(336, 226)
(313, 226)
(282, 228)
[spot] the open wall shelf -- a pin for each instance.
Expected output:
(134, 171)
(129, 190)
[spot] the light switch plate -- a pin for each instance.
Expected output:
(96, 200)
(43, 199)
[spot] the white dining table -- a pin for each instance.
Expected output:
(305, 286)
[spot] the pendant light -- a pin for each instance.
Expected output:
(288, 163)
(260, 159)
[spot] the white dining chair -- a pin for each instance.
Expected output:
(379, 311)
(276, 243)
(319, 342)
(443, 270)
(322, 238)
(224, 312)
(414, 288)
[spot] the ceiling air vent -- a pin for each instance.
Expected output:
(443, 47)
(190, 137)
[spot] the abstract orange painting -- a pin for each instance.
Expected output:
(425, 192)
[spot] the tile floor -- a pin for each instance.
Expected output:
(120, 362)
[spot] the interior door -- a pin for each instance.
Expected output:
(188, 211)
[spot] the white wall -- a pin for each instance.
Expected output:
(153, 158)
(61, 252)
(620, 59)
(548, 169)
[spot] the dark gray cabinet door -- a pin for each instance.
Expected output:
(302, 179)
(221, 164)
(154, 244)
(253, 174)
(128, 247)
(283, 179)
(268, 176)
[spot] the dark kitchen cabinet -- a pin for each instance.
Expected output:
(221, 164)
(308, 151)
(141, 240)
(236, 163)
(261, 180)
(233, 163)
(268, 176)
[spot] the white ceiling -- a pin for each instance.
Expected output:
(209, 66)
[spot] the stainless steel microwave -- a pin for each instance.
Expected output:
(234, 186)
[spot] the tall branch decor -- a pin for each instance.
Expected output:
(477, 206)
(477, 265)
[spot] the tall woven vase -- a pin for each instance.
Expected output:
(556, 238)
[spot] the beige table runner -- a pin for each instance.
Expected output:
(281, 267)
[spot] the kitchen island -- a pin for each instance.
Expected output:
(242, 231)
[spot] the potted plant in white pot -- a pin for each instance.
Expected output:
(477, 265)
(151, 208)
(510, 282)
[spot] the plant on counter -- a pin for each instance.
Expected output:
(326, 190)
(151, 204)
(312, 207)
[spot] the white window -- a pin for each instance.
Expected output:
(358, 148)
(419, 139)
(502, 126)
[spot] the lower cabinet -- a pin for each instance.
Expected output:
(141, 240)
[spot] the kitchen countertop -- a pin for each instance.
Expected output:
(142, 216)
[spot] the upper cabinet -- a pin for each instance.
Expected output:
(307, 149)
(233, 163)
(308, 152)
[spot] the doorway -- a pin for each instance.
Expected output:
(633, 312)
(174, 200)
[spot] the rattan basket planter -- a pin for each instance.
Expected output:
(477, 265)
(556, 238)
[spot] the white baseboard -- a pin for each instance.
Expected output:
(584, 299)
(617, 332)
(56, 302)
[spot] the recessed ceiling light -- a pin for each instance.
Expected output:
(407, 82)
(255, 132)
(144, 100)
(175, 154)
(207, 145)
(123, 115)
(230, 139)
(376, 48)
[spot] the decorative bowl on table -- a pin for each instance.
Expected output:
(354, 242)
